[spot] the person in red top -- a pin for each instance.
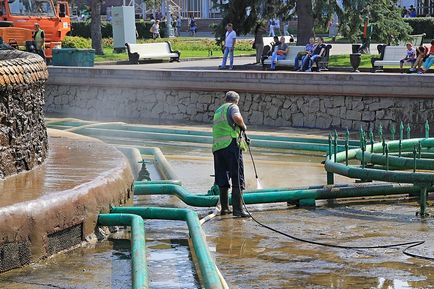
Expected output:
(429, 61)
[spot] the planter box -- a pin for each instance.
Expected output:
(73, 57)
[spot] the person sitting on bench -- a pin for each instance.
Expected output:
(280, 52)
(429, 61)
(302, 54)
(318, 51)
(421, 55)
(410, 57)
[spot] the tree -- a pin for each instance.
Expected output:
(384, 17)
(241, 13)
(95, 26)
(305, 23)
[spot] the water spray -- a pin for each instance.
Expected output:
(258, 181)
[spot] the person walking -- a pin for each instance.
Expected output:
(39, 40)
(155, 29)
(260, 30)
(271, 25)
(178, 26)
(230, 40)
(227, 149)
(192, 26)
(286, 28)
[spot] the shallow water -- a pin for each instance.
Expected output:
(248, 255)
(107, 265)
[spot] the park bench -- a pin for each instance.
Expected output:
(158, 50)
(389, 55)
(268, 41)
(321, 62)
(289, 59)
(416, 40)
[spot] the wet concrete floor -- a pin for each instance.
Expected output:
(248, 255)
(71, 162)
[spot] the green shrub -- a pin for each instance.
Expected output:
(76, 42)
(82, 29)
(422, 25)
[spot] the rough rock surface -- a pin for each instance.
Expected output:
(23, 135)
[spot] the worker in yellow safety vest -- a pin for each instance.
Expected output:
(39, 40)
(227, 150)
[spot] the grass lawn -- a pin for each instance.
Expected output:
(338, 39)
(190, 48)
(109, 55)
(335, 60)
(344, 61)
(203, 47)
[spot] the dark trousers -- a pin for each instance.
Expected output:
(228, 164)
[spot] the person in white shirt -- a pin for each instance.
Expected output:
(155, 29)
(230, 40)
(277, 26)
(271, 24)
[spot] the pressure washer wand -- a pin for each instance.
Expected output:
(258, 182)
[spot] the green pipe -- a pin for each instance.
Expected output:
(401, 162)
(419, 155)
(163, 182)
(138, 254)
(151, 129)
(374, 174)
(379, 175)
(276, 195)
(158, 182)
(422, 202)
(206, 264)
(295, 145)
(71, 123)
(161, 163)
(179, 191)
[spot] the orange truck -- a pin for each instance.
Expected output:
(18, 18)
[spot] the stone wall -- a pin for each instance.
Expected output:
(307, 100)
(23, 136)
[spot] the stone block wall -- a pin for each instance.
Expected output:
(23, 135)
(312, 100)
(258, 109)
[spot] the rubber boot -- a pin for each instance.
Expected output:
(224, 201)
(237, 204)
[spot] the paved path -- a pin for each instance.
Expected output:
(206, 64)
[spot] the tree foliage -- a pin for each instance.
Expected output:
(235, 12)
(384, 17)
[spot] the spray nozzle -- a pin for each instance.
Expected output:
(246, 138)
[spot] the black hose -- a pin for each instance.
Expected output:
(409, 245)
